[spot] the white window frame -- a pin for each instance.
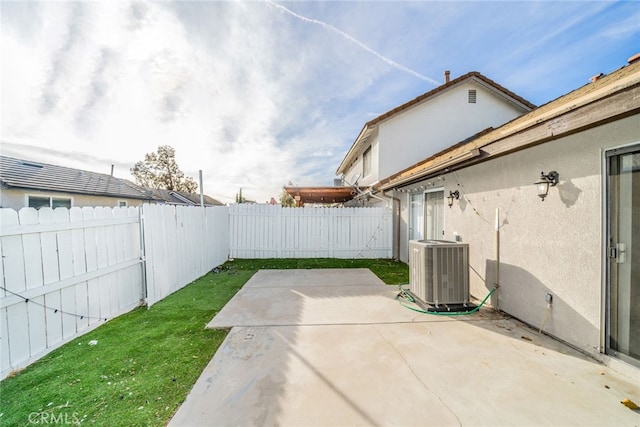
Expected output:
(51, 197)
(366, 162)
(416, 230)
(122, 203)
(426, 230)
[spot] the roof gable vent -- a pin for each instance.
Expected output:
(472, 96)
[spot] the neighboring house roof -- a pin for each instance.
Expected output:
(183, 198)
(28, 175)
(304, 195)
(605, 99)
(370, 127)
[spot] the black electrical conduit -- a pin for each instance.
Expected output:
(404, 295)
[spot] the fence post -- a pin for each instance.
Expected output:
(143, 254)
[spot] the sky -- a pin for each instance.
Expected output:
(261, 94)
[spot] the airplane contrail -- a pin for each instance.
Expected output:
(353, 40)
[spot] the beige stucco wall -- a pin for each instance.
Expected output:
(356, 169)
(427, 128)
(546, 246)
(550, 246)
(17, 199)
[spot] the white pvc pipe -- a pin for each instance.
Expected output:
(497, 247)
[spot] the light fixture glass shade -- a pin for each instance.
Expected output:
(543, 183)
(543, 188)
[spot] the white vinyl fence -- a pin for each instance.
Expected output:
(181, 244)
(66, 271)
(267, 231)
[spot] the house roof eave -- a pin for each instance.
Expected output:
(360, 141)
(46, 189)
(321, 194)
(610, 98)
(28, 175)
(476, 76)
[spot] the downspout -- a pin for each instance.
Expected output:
(370, 194)
(397, 225)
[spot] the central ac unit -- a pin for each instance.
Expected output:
(439, 271)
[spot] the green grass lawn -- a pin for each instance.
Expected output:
(146, 361)
(389, 271)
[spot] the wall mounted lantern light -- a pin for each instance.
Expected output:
(543, 183)
(452, 195)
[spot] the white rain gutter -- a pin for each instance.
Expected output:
(434, 168)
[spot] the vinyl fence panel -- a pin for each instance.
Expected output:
(182, 243)
(266, 231)
(64, 272)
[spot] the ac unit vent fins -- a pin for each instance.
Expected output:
(439, 271)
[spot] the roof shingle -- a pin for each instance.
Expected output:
(17, 173)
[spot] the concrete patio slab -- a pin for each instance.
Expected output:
(306, 278)
(437, 371)
(316, 297)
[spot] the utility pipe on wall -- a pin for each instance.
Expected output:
(396, 202)
(497, 247)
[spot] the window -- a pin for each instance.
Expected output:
(472, 96)
(434, 214)
(122, 204)
(39, 202)
(60, 203)
(48, 202)
(366, 162)
(426, 215)
(416, 217)
(623, 276)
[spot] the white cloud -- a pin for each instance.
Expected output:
(245, 91)
(355, 41)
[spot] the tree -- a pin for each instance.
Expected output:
(286, 200)
(239, 198)
(160, 170)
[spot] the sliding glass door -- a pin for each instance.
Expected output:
(416, 217)
(434, 215)
(623, 254)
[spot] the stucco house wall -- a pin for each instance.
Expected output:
(551, 246)
(18, 198)
(356, 169)
(430, 127)
(430, 123)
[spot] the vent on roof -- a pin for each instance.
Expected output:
(472, 96)
(33, 165)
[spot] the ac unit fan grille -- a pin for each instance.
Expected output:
(439, 271)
